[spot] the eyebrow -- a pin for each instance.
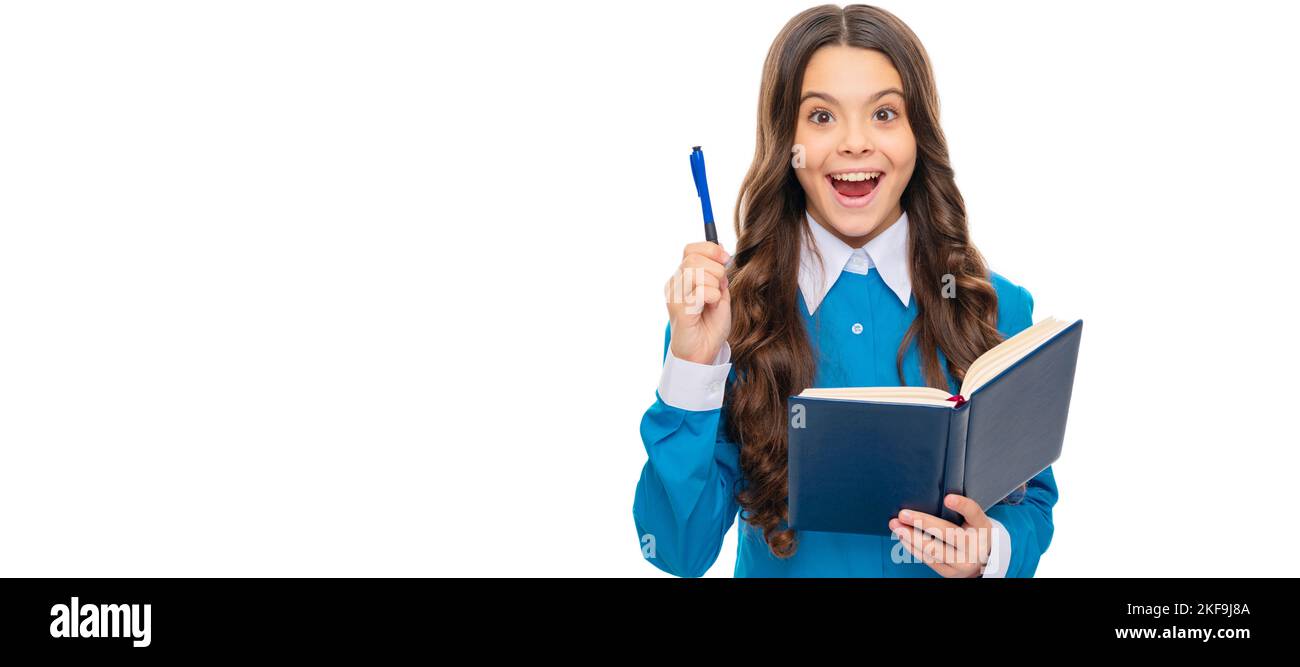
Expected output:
(830, 98)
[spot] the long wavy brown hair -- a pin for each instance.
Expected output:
(770, 345)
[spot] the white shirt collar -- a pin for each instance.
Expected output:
(887, 253)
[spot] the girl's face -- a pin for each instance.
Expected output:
(851, 120)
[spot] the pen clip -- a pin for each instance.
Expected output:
(697, 170)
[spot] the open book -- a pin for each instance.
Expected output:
(999, 358)
(859, 455)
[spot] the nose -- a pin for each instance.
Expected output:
(856, 140)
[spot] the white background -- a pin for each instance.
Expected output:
(325, 288)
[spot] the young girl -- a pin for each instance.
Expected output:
(853, 267)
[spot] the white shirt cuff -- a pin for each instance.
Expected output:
(691, 386)
(999, 551)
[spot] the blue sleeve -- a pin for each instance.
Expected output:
(685, 500)
(1029, 522)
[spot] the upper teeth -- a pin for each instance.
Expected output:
(856, 176)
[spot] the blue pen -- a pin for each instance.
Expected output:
(702, 189)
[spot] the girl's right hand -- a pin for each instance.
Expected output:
(699, 303)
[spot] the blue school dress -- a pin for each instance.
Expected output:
(857, 307)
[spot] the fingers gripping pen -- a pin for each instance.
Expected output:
(702, 189)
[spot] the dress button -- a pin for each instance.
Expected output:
(857, 328)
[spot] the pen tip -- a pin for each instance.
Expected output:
(695, 148)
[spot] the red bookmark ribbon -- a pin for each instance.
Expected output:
(958, 399)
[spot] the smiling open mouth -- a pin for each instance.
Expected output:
(855, 189)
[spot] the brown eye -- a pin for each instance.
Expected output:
(818, 113)
(884, 110)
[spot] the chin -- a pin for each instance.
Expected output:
(856, 223)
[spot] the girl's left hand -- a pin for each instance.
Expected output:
(950, 550)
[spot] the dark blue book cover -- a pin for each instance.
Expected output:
(854, 464)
